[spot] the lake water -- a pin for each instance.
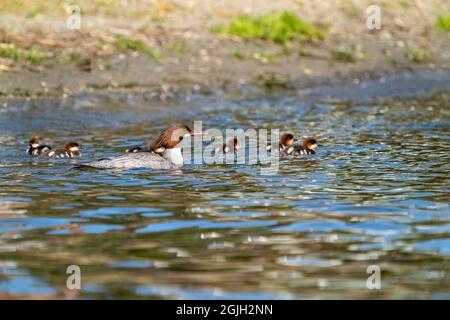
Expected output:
(376, 193)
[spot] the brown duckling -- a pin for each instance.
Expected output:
(70, 150)
(308, 147)
(36, 147)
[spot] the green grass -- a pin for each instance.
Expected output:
(155, 54)
(236, 53)
(419, 55)
(176, 47)
(156, 18)
(303, 52)
(107, 65)
(342, 55)
(131, 44)
(11, 51)
(127, 43)
(264, 57)
(443, 23)
(277, 27)
(71, 58)
(349, 55)
(35, 56)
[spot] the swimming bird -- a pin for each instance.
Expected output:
(308, 147)
(231, 146)
(36, 147)
(286, 140)
(150, 148)
(169, 142)
(136, 149)
(70, 150)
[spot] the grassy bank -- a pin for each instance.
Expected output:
(168, 44)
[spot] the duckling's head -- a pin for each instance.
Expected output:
(287, 139)
(310, 143)
(72, 147)
(35, 142)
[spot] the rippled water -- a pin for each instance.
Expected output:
(377, 193)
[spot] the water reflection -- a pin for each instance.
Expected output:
(376, 193)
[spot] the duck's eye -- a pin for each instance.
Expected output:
(181, 138)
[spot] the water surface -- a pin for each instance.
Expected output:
(377, 193)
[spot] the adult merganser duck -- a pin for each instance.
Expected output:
(308, 147)
(286, 140)
(36, 147)
(70, 150)
(169, 141)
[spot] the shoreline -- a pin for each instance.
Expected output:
(352, 87)
(169, 49)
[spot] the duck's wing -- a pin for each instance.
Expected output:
(131, 160)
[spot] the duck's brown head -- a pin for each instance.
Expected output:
(310, 143)
(172, 137)
(287, 139)
(35, 142)
(72, 147)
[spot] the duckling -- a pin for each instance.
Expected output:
(152, 149)
(36, 147)
(232, 145)
(136, 149)
(286, 140)
(70, 150)
(308, 147)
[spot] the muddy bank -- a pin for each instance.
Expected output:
(169, 48)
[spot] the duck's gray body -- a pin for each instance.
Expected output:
(136, 160)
